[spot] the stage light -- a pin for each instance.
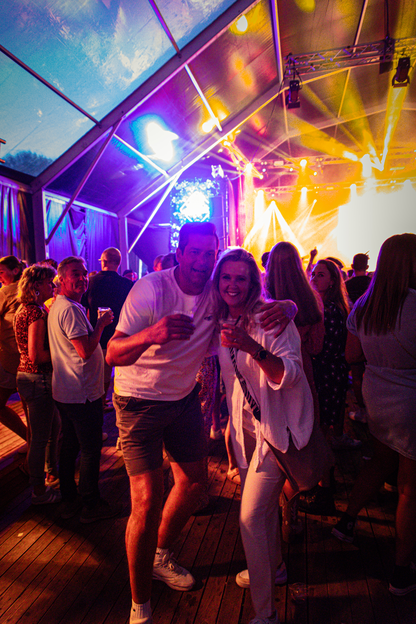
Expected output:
(303, 163)
(401, 77)
(367, 167)
(242, 24)
(292, 98)
(160, 141)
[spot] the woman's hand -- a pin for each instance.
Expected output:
(237, 337)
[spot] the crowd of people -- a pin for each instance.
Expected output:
(284, 342)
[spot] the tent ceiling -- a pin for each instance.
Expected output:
(118, 63)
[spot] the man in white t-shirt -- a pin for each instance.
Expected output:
(165, 329)
(77, 387)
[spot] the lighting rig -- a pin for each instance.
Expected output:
(292, 77)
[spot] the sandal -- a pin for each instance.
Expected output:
(234, 476)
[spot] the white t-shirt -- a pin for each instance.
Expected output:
(74, 380)
(165, 372)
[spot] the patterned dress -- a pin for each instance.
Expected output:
(330, 368)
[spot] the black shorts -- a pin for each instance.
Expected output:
(145, 426)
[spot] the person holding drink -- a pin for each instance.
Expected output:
(271, 410)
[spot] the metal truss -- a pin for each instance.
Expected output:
(351, 56)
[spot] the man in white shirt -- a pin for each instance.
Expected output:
(77, 387)
(165, 329)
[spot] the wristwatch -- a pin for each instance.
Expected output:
(260, 354)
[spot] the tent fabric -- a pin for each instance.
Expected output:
(15, 238)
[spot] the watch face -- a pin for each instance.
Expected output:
(262, 354)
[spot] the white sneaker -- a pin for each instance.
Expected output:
(243, 579)
(166, 569)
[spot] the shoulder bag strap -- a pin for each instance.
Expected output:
(250, 400)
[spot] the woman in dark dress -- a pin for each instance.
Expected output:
(331, 376)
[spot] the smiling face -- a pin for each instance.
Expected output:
(321, 279)
(74, 281)
(234, 285)
(196, 263)
(7, 276)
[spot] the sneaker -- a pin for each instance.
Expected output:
(166, 569)
(319, 502)
(50, 496)
(267, 620)
(359, 415)
(243, 579)
(403, 581)
(69, 509)
(101, 511)
(345, 443)
(344, 529)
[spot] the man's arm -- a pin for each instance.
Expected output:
(124, 350)
(86, 345)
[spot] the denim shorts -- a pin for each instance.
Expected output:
(146, 425)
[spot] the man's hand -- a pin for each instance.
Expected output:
(277, 315)
(172, 327)
(124, 350)
(106, 318)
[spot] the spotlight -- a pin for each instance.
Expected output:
(401, 77)
(292, 98)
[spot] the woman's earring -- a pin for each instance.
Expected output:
(37, 293)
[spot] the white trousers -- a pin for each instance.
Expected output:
(260, 527)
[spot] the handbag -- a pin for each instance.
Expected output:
(303, 467)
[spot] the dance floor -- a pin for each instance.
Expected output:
(55, 571)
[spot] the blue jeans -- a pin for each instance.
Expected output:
(45, 424)
(82, 431)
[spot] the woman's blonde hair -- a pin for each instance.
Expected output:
(31, 276)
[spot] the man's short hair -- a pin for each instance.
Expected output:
(360, 262)
(112, 255)
(201, 228)
(64, 263)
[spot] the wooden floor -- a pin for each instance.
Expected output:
(55, 571)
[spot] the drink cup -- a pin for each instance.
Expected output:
(102, 311)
